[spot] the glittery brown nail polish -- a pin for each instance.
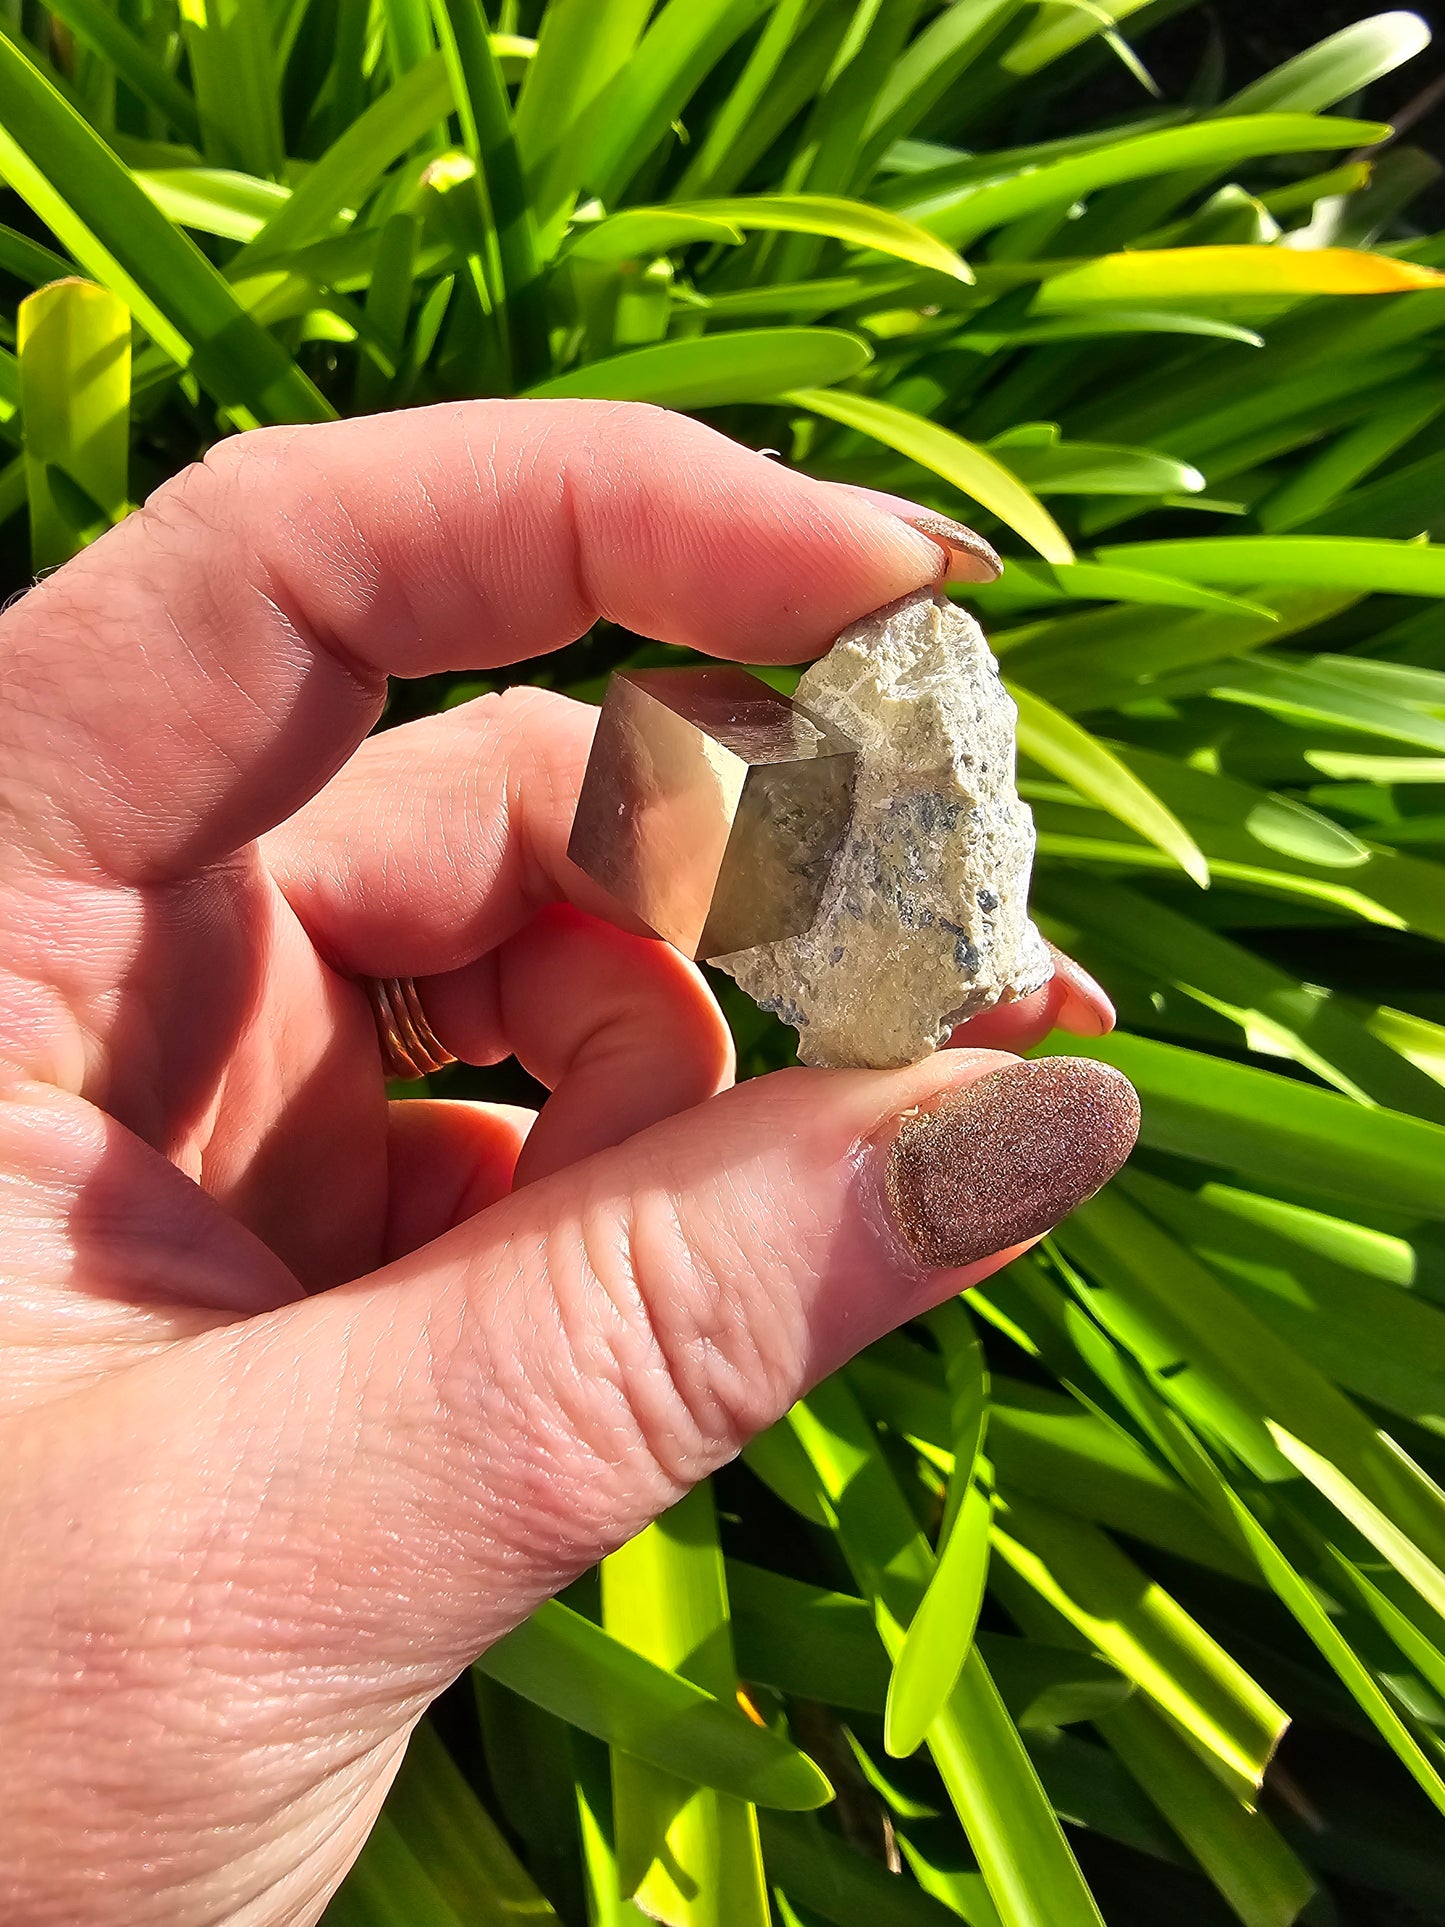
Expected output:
(971, 559)
(1009, 1157)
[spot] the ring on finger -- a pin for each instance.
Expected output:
(410, 1048)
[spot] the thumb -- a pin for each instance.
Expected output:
(467, 1430)
(309, 1521)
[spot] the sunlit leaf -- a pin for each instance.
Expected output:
(970, 469)
(565, 1663)
(754, 364)
(74, 346)
(1214, 273)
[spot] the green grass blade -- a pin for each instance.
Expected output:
(605, 146)
(388, 309)
(931, 64)
(1329, 1035)
(1336, 68)
(1105, 321)
(692, 1855)
(1313, 1617)
(99, 27)
(802, 1640)
(641, 233)
(940, 1635)
(574, 1669)
(1268, 841)
(781, 54)
(821, 1872)
(1230, 1722)
(351, 167)
(1315, 561)
(1264, 1883)
(583, 46)
(1058, 31)
(485, 115)
(1408, 1559)
(1202, 274)
(62, 168)
(213, 200)
(74, 386)
(1216, 143)
(1047, 1446)
(752, 364)
(1097, 581)
(852, 222)
(606, 1905)
(970, 469)
(1227, 1372)
(1061, 745)
(1318, 692)
(453, 1836)
(234, 76)
(1032, 1877)
(389, 1887)
(1097, 468)
(941, 1631)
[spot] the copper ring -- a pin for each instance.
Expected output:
(409, 1046)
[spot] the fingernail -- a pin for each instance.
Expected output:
(1009, 1156)
(970, 558)
(1086, 1008)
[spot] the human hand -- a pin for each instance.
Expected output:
(302, 1403)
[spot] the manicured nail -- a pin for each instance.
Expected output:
(1086, 1008)
(1009, 1156)
(970, 558)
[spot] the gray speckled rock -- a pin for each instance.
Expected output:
(924, 920)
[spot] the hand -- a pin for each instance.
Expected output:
(307, 1397)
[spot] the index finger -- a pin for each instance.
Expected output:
(198, 673)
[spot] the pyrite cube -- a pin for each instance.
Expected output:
(712, 807)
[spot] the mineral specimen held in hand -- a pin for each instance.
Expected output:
(712, 807)
(924, 918)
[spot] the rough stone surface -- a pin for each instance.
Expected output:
(924, 919)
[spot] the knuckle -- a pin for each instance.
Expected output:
(698, 1364)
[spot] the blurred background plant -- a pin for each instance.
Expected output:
(1118, 1589)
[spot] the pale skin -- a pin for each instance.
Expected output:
(305, 1397)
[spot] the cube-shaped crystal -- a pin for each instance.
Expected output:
(712, 807)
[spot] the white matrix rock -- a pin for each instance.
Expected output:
(924, 920)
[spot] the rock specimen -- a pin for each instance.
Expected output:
(712, 807)
(923, 920)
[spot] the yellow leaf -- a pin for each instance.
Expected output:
(1162, 274)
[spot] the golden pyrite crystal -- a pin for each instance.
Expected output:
(712, 807)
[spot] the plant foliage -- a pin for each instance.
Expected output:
(1008, 1621)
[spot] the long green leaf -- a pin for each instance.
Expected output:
(98, 26)
(970, 469)
(852, 222)
(485, 114)
(73, 340)
(940, 1633)
(1071, 752)
(1340, 1655)
(1218, 1709)
(1337, 67)
(1215, 143)
(1317, 561)
(1201, 274)
(691, 1855)
(354, 163)
(1032, 1877)
(753, 364)
(83, 194)
(566, 1664)
(234, 75)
